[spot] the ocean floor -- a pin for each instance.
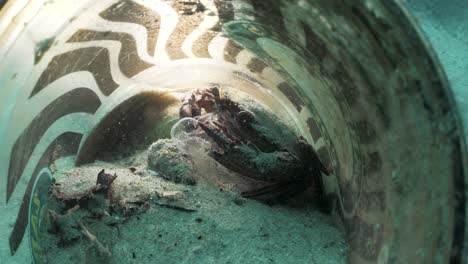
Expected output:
(218, 226)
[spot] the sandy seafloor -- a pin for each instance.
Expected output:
(225, 228)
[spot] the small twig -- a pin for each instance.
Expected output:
(55, 216)
(74, 196)
(175, 207)
(101, 248)
(170, 195)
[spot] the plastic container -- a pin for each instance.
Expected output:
(357, 77)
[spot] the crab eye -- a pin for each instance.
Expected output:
(245, 117)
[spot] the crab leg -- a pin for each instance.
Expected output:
(276, 192)
(309, 154)
(189, 107)
(247, 160)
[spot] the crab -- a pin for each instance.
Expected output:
(240, 147)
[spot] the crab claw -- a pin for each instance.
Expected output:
(243, 158)
(308, 153)
(230, 152)
(222, 141)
